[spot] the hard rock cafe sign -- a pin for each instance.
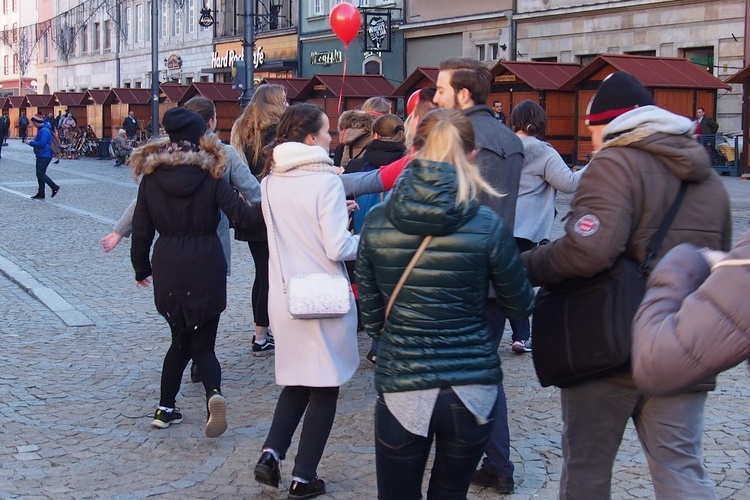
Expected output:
(228, 59)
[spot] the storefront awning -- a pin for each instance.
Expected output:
(69, 98)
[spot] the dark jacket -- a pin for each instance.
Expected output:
(355, 132)
(500, 160)
(181, 200)
(130, 125)
(625, 193)
(436, 334)
(258, 232)
(41, 143)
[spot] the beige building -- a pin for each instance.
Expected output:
(709, 33)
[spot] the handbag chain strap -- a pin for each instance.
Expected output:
(656, 240)
(405, 275)
(271, 228)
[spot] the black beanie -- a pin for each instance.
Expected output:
(617, 94)
(184, 125)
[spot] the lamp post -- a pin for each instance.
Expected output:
(247, 45)
(155, 69)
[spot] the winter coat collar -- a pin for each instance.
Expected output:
(209, 156)
(665, 136)
(299, 156)
(423, 200)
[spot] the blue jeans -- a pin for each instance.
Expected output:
(400, 456)
(497, 460)
(670, 429)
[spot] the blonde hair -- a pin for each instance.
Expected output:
(265, 110)
(446, 135)
(378, 105)
(389, 128)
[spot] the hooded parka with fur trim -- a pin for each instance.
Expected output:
(179, 196)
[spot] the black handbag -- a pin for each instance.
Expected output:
(582, 326)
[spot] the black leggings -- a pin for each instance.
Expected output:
(320, 403)
(259, 250)
(197, 344)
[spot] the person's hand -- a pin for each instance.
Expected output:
(712, 256)
(143, 283)
(351, 206)
(110, 241)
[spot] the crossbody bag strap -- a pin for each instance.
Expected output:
(405, 275)
(656, 240)
(272, 230)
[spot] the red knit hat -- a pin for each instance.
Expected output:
(38, 118)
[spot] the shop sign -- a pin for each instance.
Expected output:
(229, 58)
(505, 78)
(174, 62)
(326, 57)
(377, 26)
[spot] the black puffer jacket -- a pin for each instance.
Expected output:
(436, 334)
(179, 198)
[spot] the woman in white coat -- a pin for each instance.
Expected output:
(306, 215)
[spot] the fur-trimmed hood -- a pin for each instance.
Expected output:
(354, 124)
(171, 160)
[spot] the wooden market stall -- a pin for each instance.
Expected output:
(677, 85)
(293, 86)
(352, 91)
(73, 102)
(126, 100)
(743, 77)
(225, 98)
(420, 78)
(516, 81)
(39, 103)
(14, 105)
(99, 111)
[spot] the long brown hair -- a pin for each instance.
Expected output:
(264, 111)
(297, 122)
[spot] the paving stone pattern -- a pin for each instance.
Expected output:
(76, 401)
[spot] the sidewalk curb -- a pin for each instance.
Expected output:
(48, 297)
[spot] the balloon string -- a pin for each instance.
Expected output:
(343, 77)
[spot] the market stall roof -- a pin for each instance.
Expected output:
(173, 93)
(4, 103)
(653, 72)
(740, 76)
(293, 85)
(70, 98)
(98, 97)
(17, 101)
(537, 75)
(221, 92)
(40, 100)
(430, 74)
(132, 96)
(349, 86)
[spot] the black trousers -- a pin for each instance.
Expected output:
(41, 175)
(320, 403)
(259, 251)
(197, 344)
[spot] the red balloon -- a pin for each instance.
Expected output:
(412, 102)
(345, 22)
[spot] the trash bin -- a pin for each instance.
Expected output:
(104, 148)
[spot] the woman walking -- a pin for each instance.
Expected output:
(179, 196)
(253, 130)
(306, 214)
(437, 370)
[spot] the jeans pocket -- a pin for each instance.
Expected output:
(467, 430)
(388, 431)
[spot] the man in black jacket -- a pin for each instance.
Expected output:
(130, 125)
(464, 84)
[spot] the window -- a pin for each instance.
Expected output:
(177, 22)
(6, 65)
(15, 32)
(164, 19)
(95, 43)
(84, 39)
(148, 21)
(107, 41)
(641, 53)
(363, 3)
(492, 51)
(372, 66)
(545, 59)
(481, 53)
(128, 24)
(5, 10)
(139, 23)
(189, 80)
(702, 56)
(138, 84)
(191, 16)
(15, 6)
(45, 47)
(15, 63)
(127, 85)
(584, 60)
(317, 7)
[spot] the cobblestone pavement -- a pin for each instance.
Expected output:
(79, 379)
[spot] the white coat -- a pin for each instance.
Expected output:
(307, 233)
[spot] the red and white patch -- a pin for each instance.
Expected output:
(587, 225)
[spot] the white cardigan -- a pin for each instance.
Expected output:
(308, 234)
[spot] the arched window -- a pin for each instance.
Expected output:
(373, 65)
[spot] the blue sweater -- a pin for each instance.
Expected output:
(42, 141)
